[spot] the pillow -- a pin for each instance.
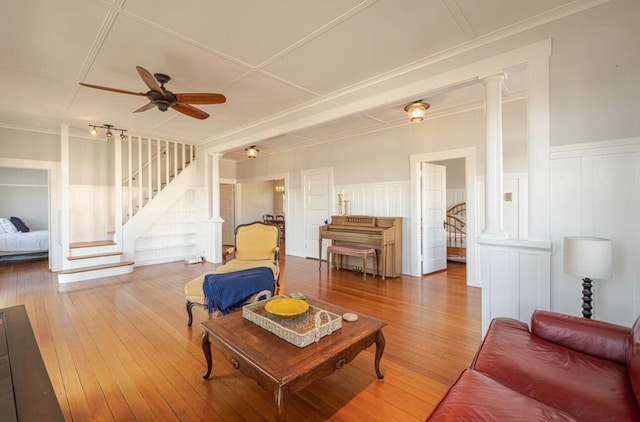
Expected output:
(8, 226)
(19, 224)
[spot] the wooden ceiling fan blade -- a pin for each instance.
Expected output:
(190, 111)
(150, 80)
(145, 107)
(120, 91)
(200, 98)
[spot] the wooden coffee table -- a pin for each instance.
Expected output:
(279, 366)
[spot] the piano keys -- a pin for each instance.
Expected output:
(381, 233)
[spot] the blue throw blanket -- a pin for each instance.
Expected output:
(228, 291)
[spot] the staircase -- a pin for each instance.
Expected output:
(89, 260)
(149, 168)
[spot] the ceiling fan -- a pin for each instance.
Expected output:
(162, 98)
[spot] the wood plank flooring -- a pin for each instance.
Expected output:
(119, 349)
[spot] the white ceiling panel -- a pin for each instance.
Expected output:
(266, 57)
(384, 36)
(340, 127)
(30, 93)
(185, 127)
(244, 105)
(132, 44)
(491, 15)
(250, 30)
(39, 36)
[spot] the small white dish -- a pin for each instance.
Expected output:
(350, 317)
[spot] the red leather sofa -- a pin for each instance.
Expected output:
(565, 368)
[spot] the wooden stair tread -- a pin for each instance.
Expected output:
(91, 244)
(96, 267)
(97, 255)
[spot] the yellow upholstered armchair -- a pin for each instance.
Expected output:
(256, 245)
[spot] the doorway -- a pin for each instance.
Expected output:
(469, 157)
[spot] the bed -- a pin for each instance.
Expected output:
(18, 245)
(457, 232)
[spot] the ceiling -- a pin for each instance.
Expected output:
(266, 57)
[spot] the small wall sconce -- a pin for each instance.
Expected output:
(252, 151)
(279, 190)
(417, 110)
(108, 134)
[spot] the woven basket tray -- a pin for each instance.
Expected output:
(302, 330)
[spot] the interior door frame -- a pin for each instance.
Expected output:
(469, 155)
(265, 178)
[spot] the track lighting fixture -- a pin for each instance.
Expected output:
(109, 133)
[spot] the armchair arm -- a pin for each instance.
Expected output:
(597, 338)
(229, 251)
(276, 255)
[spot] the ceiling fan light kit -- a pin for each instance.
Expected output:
(164, 99)
(417, 110)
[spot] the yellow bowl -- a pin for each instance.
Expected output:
(286, 307)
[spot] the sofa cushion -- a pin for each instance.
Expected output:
(476, 397)
(596, 338)
(584, 386)
(633, 358)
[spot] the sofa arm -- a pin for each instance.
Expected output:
(597, 338)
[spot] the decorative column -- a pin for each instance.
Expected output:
(213, 230)
(493, 215)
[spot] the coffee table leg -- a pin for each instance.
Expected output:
(380, 342)
(206, 349)
(282, 398)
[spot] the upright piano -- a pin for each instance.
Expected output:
(381, 233)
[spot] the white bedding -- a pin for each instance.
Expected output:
(33, 241)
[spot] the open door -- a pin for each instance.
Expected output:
(434, 200)
(317, 203)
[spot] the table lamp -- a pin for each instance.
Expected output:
(588, 258)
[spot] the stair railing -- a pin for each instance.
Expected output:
(149, 165)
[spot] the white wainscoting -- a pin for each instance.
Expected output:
(514, 275)
(98, 224)
(595, 191)
(456, 196)
(389, 199)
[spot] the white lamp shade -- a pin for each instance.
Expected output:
(588, 257)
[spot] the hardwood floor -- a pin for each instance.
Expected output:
(118, 348)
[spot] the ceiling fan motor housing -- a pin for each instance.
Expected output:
(162, 102)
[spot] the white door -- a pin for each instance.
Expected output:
(227, 212)
(317, 191)
(434, 200)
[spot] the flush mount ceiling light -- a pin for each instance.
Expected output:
(252, 151)
(417, 110)
(108, 134)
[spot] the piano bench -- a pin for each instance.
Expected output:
(363, 253)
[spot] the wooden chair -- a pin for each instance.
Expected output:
(268, 219)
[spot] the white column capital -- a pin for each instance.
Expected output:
(498, 76)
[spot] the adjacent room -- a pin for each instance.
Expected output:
(319, 211)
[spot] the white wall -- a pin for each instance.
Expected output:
(254, 200)
(25, 194)
(596, 192)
